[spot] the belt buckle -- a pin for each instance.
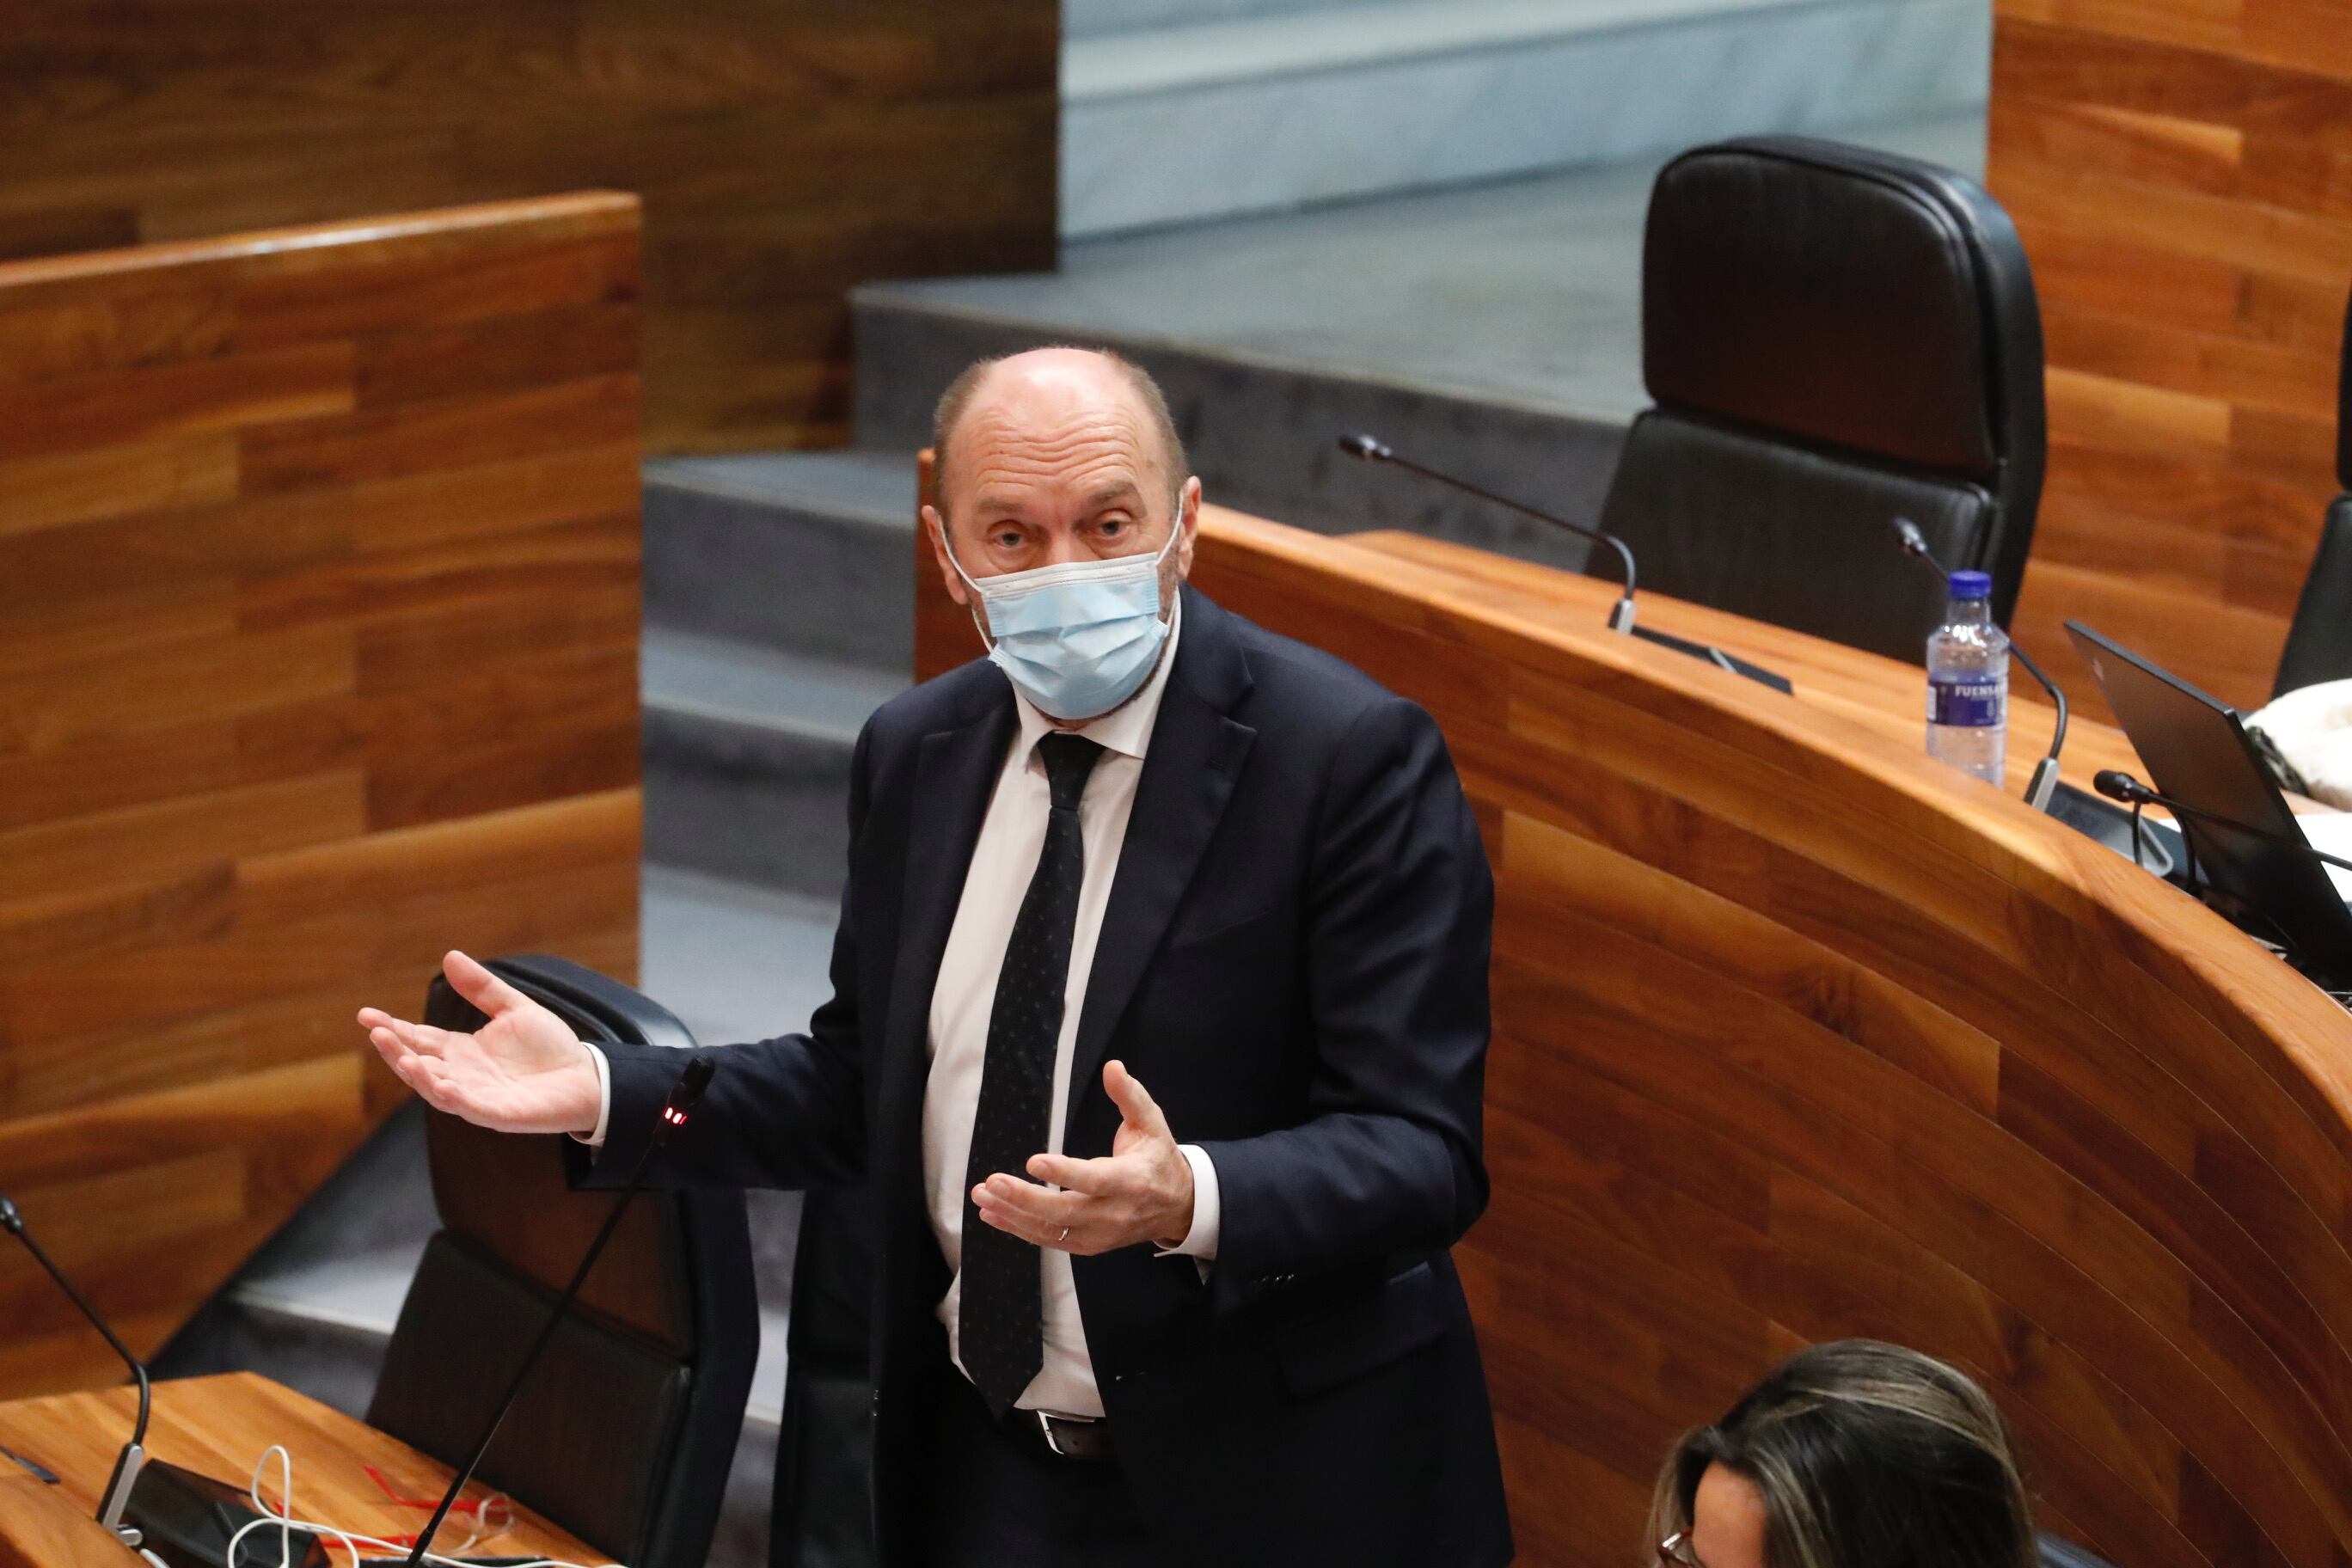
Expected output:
(1045, 1419)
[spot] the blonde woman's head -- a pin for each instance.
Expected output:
(1850, 1455)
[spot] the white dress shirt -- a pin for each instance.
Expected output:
(1012, 837)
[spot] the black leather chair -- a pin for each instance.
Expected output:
(1833, 337)
(2319, 641)
(625, 1431)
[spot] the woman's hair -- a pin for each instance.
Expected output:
(1867, 1456)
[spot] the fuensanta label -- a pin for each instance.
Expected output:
(1967, 700)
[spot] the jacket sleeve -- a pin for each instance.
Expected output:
(1399, 914)
(784, 1112)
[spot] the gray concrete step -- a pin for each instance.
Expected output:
(1108, 19)
(1245, 106)
(746, 753)
(1260, 432)
(1492, 331)
(799, 551)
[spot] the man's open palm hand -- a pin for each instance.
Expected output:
(522, 1072)
(1140, 1191)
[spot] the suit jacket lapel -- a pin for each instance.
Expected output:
(1195, 755)
(955, 774)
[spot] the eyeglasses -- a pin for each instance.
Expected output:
(1674, 1552)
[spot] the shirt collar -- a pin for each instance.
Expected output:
(1127, 729)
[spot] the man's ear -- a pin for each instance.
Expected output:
(935, 528)
(1188, 526)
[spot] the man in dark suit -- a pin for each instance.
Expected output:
(1144, 843)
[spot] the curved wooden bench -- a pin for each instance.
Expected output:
(319, 603)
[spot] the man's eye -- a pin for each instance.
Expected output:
(1008, 539)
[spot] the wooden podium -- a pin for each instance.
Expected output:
(1800, 1034)
(220, 1426)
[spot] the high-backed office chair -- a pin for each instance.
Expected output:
(625, 1430)
(2319, 641)
(1833, 337)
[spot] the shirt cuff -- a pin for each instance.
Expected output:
(1208, 1214)
(595, 1140)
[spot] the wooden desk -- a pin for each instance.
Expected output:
(220, 1426)
(1800, 1034)
(1882, 695)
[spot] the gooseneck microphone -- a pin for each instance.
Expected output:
(1371, 449)
(133, 1457)
(2120, 786)
(692, 1082)
(2043, 785)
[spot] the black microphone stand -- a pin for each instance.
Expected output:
(2043, 785)
(1368, 449)
(689, 1088)
(2120, 786)
(133, 1456)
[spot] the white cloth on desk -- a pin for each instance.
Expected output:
(2312, 729)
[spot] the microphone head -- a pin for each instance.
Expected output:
(10, 1220)
(1907, 532)
(2119, 786)
(688, 1089)
(1361, 445)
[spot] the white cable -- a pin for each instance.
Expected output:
(284, 1517)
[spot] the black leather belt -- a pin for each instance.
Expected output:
(1068, 1437)
(1080, 1438)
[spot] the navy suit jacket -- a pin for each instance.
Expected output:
(1293, 961)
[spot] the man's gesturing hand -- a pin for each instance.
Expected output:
(1142, 1192)
(523, 1071)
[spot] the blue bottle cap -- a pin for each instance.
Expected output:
(1971, 585)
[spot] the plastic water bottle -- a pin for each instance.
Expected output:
(1967, 682)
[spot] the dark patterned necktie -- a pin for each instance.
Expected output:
(1000, 1321)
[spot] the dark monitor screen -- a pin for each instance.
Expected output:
(2197, 752)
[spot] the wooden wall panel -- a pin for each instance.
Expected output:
(318, 587)
(1800, 1035)
(784, 150)
(2181, 174)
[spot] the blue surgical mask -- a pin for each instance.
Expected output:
(1078, 639)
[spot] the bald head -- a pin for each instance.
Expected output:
(1035, 391)
(1054, 457)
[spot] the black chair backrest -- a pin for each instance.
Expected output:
(1833, 337)
(2319, 640)
(624, 1432)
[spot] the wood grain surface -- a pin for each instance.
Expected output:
(2181, 175)
(783, 151)
(40, 1529)
(1800, 1034)
(221, 1426)
(318, 598)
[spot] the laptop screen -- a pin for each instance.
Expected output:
(2196, 751)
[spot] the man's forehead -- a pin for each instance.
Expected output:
(993, 493)
(1052, 400)
(1090, 428)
